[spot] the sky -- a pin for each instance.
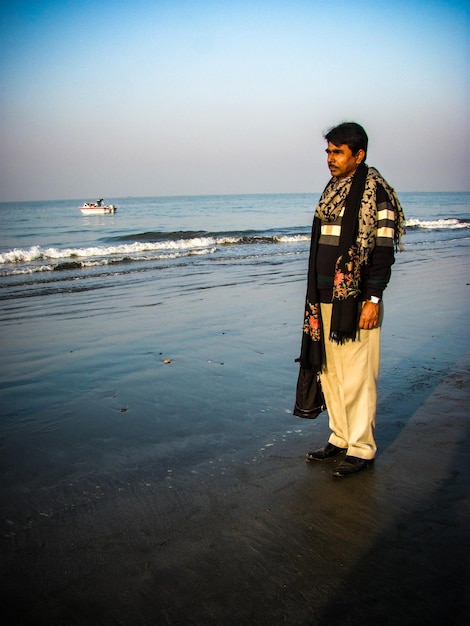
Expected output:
(116, 98)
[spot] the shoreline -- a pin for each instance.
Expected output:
(228, 524)
(283, 543)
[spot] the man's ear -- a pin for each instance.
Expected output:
(360, 156)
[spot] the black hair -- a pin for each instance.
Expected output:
(349, 133)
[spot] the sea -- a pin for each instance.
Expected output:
(48, 247)
(157, 344)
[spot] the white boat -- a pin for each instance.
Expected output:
(97, 208)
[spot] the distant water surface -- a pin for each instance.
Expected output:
(52, 246)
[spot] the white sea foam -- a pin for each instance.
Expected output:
(449, 224)
(291, 238)
(23, 269)
(195, 245)
(36, 253)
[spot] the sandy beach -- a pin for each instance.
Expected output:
(231, 525)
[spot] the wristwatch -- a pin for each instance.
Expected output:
(374, 299)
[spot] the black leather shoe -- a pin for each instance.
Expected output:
(351, 465)
(324, 453)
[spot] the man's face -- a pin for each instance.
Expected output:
(341, 161)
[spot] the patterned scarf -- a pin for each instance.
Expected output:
(333, 200)
(357, 195)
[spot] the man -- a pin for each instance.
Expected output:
(358, 223)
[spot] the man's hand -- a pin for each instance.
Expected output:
(369, 316)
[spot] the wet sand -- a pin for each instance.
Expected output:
(248, 532)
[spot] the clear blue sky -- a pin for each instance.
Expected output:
(116, 98)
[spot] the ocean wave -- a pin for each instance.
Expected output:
(441, 224)
(185, 238)
(157, 245)
(37, 253)
(74, 265)
(292, 238)
(144, 244)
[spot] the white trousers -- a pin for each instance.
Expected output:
(349, 382)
